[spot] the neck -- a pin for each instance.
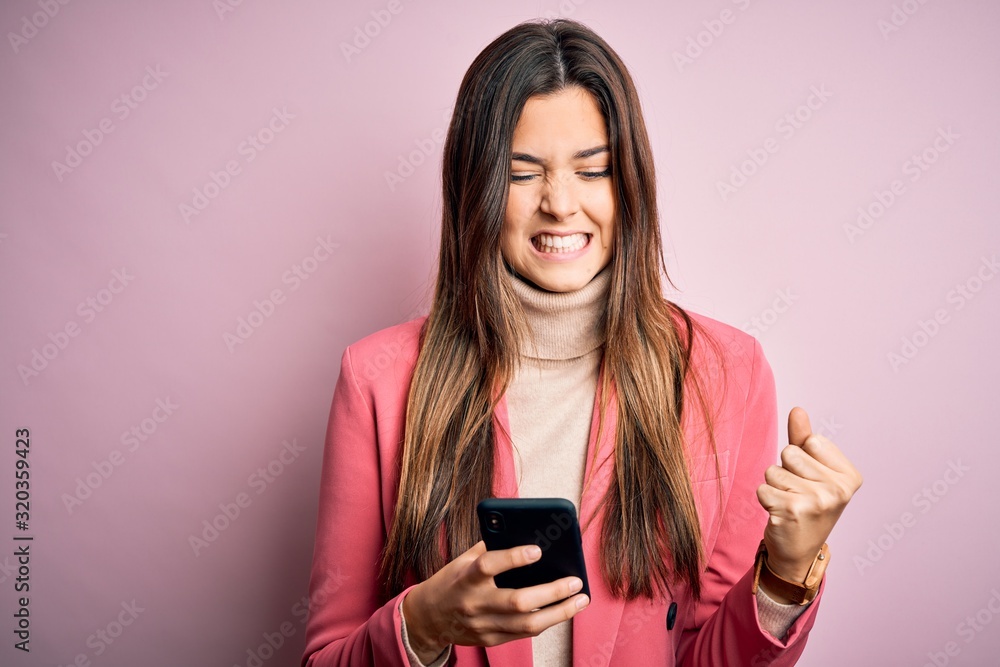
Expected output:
(566, 325)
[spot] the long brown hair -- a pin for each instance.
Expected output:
(470, 341)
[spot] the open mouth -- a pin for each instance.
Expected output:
(548, 243)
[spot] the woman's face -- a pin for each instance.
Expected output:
(559, 224)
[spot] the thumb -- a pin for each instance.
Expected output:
(799, 427)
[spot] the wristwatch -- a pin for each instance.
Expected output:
(800, 593)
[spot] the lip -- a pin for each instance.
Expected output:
(562, 256)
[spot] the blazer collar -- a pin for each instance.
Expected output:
(593, 633)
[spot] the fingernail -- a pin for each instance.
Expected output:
(582, 601)
(575, 585)
(533, 552)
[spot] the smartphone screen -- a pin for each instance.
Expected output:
(551, 523)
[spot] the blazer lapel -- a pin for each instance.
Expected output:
(594, 632)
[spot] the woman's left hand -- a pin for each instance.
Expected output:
(805, 496)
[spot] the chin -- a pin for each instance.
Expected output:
(568, 283)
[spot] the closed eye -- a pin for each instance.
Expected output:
(590, 175)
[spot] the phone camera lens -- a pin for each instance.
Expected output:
(494, 522)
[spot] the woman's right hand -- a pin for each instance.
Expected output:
(460, 603)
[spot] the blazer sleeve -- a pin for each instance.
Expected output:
(345, 624)
(725, 627)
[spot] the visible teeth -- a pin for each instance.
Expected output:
(550, 243)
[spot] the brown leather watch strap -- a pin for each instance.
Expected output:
(799, 593)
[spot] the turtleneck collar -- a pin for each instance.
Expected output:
(566, 325)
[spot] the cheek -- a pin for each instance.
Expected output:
(509, 235)
(599, 197)
(518, 205)
(601, 209)
(516, 219)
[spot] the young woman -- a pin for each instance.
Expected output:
(551, 365)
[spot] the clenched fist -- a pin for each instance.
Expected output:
(805, 496)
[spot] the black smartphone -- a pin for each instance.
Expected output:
(551, 523)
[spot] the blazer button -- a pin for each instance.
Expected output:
(671, 615)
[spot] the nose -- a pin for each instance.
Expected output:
(559, 197)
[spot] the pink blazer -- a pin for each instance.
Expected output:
(358, 488)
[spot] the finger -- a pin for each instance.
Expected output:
(774, 499)
(786, 480)
(802, 464)
(513, 600)
(473, 552)
(492, 563)
(826, 452)
(529, 624)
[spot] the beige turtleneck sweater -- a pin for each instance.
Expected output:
(550, 406)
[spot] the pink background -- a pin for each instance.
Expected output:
(830, 307)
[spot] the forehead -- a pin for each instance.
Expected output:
(562, 122)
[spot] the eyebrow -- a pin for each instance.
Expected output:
(587, 152)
